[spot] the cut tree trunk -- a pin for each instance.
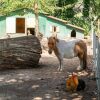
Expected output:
(20, 52)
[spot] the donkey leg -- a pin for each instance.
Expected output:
(60, 64)
(85, 61)
(81, 65)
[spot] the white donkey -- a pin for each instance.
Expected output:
(68, 49)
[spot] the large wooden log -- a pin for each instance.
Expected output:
(20, 52)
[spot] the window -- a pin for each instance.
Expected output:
(31, 31)
(73, 33)
(54, 29)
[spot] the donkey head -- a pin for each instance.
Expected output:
(52, 43)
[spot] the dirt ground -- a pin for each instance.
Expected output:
(44, 82)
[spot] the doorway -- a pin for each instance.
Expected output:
(20, 25)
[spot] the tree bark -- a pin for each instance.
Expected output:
(36, 19)
(22, 51)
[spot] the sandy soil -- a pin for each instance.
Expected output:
(44, 82)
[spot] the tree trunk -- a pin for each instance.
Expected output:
(36, 19)
(20, 52)
(37, 25)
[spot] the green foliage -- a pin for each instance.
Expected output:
(69, 13)
(81, 22)
(7, 6)
(95, 5)
(86, 8)
(47, 6)
(65, 9)
(61, 3)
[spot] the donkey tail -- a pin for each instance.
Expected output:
(85, 59)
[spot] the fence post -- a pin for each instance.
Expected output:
(94, 52)
(98, 68)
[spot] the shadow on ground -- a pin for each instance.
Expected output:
(44, 82)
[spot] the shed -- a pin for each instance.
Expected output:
(18, 23)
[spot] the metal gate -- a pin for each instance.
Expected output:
(96, 56)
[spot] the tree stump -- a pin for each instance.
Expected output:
(20, 52)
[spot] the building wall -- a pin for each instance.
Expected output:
(60, 25)
(79, 34)
(2, 26)
(42, 24)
